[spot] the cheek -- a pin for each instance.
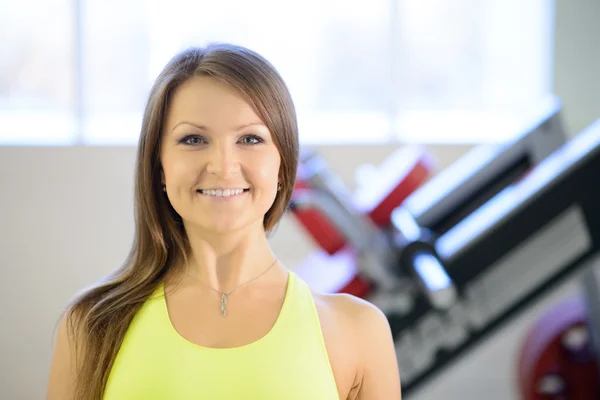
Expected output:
(179, 170)
(267, 170)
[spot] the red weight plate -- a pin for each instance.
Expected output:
(398, 176)
(318, 226)
(333, 274)
(358, 286)
(556, 356)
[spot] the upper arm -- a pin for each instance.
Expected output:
(378, 365)
(63, 371)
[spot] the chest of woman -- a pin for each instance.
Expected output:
(244, 325)
(168, 352)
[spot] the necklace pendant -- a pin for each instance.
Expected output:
(224, 304)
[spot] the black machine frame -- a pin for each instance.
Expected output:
(559, 200)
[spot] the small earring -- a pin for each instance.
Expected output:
(164, 187)
(279, 186)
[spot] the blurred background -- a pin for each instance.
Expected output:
(367, 78)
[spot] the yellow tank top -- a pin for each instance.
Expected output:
(288, 363)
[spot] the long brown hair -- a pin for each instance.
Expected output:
(98, 318)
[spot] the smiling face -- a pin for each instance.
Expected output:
(219, 162)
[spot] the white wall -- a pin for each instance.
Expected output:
(577, 60)
(66, 218)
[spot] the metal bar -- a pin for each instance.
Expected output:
(590, 281)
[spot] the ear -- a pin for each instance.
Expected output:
(162, 176)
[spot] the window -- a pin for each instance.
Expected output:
(37, 72)
(408, 70)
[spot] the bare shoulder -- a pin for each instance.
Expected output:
(67, 352)
(367, 331)
(351, 309)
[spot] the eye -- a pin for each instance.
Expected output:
(192, 140)
(252, 139)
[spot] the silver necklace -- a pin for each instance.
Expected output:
(225, 294)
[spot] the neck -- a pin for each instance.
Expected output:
(226, 261)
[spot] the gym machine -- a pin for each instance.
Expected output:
(450, 259)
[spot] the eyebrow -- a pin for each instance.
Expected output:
(204, 128)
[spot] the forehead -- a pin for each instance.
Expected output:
(210, 102)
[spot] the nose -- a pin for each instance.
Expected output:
(222, 161)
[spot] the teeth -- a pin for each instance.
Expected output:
(222, 193)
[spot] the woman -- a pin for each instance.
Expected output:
(202, 308)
